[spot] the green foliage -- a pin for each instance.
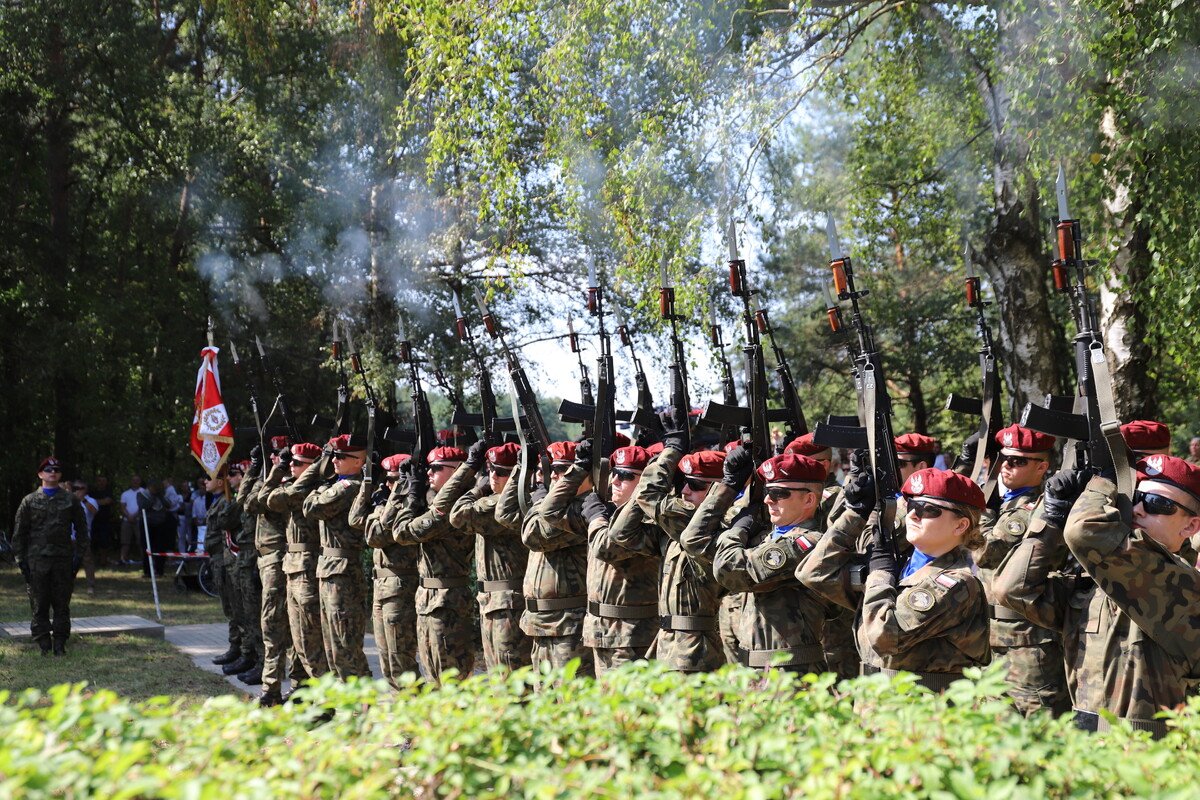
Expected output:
(642, 731)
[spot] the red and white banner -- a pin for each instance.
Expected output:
(212, 432)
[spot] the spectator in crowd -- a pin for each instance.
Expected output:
(202, 500)
(86, 554)
(102, 538)
(1193, 456)
(131, 520)
(184, 527)
(160, 522)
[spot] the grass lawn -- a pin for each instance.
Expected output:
(135, 667)
(117, 592)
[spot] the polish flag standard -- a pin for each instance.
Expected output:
(212, 432)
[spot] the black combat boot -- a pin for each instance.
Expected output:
(252, 676)
(270, 699)
(60, 647)
(228, 657)
(45, 645)
(241, 665)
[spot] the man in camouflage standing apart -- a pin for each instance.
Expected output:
(44, 550)
(343, 583)
(300, 558)
(222, 522)
(246, 573)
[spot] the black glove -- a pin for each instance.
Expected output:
(1062, 490)
(675, 431)
(285, 455)
(647, 437)
(738, 466)
(882, 559)
(404, 481)
(594, 507)
(477, 454)
(859, 489)
(256, 455)
(418, 487)
(583, 455)
(24, 567)
(969, 449)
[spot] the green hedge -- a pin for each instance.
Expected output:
(642, 732)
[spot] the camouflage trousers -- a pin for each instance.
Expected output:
(608, 658)
(394, 620)
(731, 607)
(222, 566)
(556, 651)
(51, 582)
(1036, 677)
(505, 645)
(245, 573)
(304, 622)
(445, 641)
(344, 623)
(841, 651)
(688, 651)
(276, 630)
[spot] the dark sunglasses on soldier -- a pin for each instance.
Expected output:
(436, 468)
(782, 493)
(1158, 505)
(560, 469)
(925, 510)
(624, 475)
(696, 485)
(1016, 462)
(53, 469)
(501, 471)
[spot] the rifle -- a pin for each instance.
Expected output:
(425, 435)
(341, 424)
(642, 416)
(604, 425)
(486, 420)
(728, 388)
(876, 435)
(585, 410)
(253, 391)
(531, 428)
(988, 408)
(793, 416)
(1093, 426)
(293, 433)
(466, 434)
(666, 310)
(375, 411)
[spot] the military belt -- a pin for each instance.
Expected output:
(1093, 722)
(500, 586)
(266, 551)
(1005, 614)
(339, 552)
(804, 654)
(934, 681)
(303, 547)
(385, 572)
(610, 611)
(685, 623)
(556, 603)
(445, 583)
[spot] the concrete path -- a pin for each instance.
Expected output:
(94, 626)
(203, 643)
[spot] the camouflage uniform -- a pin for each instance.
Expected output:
(781, 620)
(1130, 625)
(445, 635)
(500, 562)
(343, 584)
(393, 601)
(42, 541)
(245, 572)
(1036, 672)
(555, 585)
(841, 652)
(270, 541)
(688, 595)
(300, 568)
(222, 521)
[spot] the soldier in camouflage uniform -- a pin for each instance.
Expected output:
(931, 618)
(782, 622)
(270, 542)
(445, 635)
(688, 595)
(555, 585)
(1130, 616)
(731, 602)
(44, 549)
(343, 583)
(500, 561)
(622, 577)
(246, 574)
(1036, 676)
(303, 543)
(219, 522)
(393, 599)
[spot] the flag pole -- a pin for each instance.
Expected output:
(150, 561)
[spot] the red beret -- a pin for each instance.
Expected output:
(654, 449)
(731, 446)
(392, 463)
(306, 451)
(445, 455)
(944, 484)
(792, 468)
(621, 440)
(1146, 434)
(805, 446)
(561, 452)
(346, 443)
(49, 461)
(1169, 469)
(446, 435)
(704, 465)
(1015, 440)
(632, 457)
(917, 444)
(239, 466)
(279, 442)
(504, 455)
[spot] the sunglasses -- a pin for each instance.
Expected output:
(781, 493)
(696, 485)
(1158, 505)
(436, 468)
(492, 468)
(624, 475)
(344, 456)
(1018, 461)
(560, 469)
(53, 469)
(925, 510)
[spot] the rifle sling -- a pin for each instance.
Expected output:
(1110, 424)
(887, 505)
(985, 431)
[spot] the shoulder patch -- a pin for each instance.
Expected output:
(773, 557)
(1030, 506)
(949, 581)
(803, 544)
(1015, 526)
(919, 600)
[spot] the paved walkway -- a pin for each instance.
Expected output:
(203, 643)
(94, 626)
